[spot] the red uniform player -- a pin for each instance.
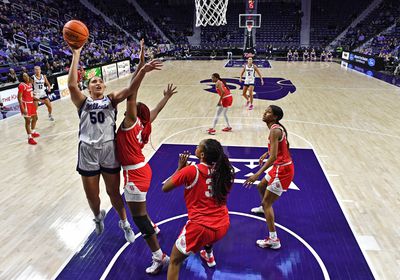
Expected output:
(278, 178)
(28, 108)
(206, 188)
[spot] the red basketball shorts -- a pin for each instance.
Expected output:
(194, 237)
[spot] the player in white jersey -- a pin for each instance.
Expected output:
(39, 83)
(97, 147)
(250, 70)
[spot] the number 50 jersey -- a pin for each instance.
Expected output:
(97, 121)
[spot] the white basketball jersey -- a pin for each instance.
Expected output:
(97, 121)
(38, 86)
(249, 74)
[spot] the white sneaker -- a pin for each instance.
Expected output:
(209, 260)
(257, 210)
(269, 243)
(158, 265)
(129, 234)
(51, 118)
(100, 222)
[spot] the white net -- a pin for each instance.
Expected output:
(211, 12)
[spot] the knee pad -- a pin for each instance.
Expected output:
(144, 225)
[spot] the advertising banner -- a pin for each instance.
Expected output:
(63, 85)
(124, 68)
(109, 72)
(9, 96)
(90, 73)
(364, 60)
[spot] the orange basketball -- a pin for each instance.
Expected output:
(75, 33)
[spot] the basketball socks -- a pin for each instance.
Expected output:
(273, 235)
(157, 254)
(99, 217)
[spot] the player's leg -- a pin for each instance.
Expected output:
(251, 89)
(47, 102)
(228, 126)
(144, 224)
(215, 121)
(176, 260)
(244, 94)
(270, 197)
(92, 190)
(33, 126)
(261, 187)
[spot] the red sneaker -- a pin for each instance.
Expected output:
(31, 141)
(211, 131)
(227, 129)
(251, 107)
(35, 134)
(209, 260)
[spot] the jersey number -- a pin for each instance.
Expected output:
(209, 192)
(96, 117)
(40, 86)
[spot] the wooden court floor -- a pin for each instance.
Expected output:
(350, 121)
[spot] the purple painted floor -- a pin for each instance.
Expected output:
(309, 221)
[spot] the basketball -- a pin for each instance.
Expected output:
(75, 33)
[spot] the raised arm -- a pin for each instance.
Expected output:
(119, 96)
(167, 95)
(141, 59)
(77, 96)
(131, 111)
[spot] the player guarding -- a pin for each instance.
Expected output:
(278, 178)
(249, 70)
(225, 101)
(40, 83)
(132, 136)
(28, 108)
(207, 186)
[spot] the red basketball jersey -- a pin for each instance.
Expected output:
(283, 156)
(27, 92)
(202, 207)
(225, 89)
(129, 144)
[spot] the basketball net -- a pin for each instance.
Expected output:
(211, 12)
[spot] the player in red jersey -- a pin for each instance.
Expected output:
(132, 136)
(225, 101)
(28, 108)
(207, 185)
(278, 179)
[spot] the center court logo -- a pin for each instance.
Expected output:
(273, 88)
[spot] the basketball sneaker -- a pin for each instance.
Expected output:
(209, 258)
(257, 210)
(128, 232)
(51, 118)
(269, 243)
(227, 129)
(35, 134)
(99, 222)
(158, 265)
(211, 131)
(251, 107)
(31, 141)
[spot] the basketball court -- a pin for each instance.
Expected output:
(335, 222)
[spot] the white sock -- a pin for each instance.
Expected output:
(209, 255)
(157, 254)
(273, 235)
(33, 131)
(29, 136)
(99, 217)
(125, 223)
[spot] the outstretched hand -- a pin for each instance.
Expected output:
(249, 182)
(183, 159)
(170, 91)
(155, 64)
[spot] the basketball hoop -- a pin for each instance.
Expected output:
(211, 12)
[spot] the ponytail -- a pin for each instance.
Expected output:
(286, 134)
(278, 112)
(143, 113)
(222, 172)
(218, 77)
